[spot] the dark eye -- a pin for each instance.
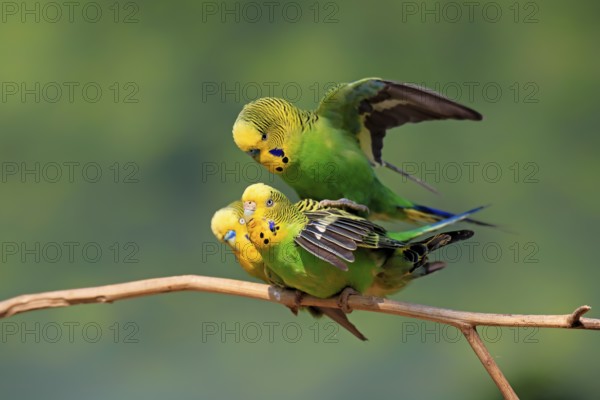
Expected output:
(264, 136)
(270, 203)
(242, 221)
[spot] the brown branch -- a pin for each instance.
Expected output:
(465, 321)
(470, 332)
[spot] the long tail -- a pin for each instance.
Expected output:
(411, 262)
(420, 213)
(338, 316)
(413, 233)
(418, 252)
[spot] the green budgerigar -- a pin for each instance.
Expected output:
(330, 153)
(324, 252)
(228, 226)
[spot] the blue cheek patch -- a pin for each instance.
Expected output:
(272, 226)
(229, 235)
(277, 152)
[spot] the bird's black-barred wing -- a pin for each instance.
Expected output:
(333, 235)
(307, 205)
(368, 107)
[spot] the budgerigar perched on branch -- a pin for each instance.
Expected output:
(324, 252)
(229, 226)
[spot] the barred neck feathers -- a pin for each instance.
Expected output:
(307, 205)
(277, 117)
(281, 210)
(307, 119)
(286, 214)
(270, 111)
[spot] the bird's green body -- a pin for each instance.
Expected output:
(304, 271)
(307, 250)
(328, 164)
(228, 225)
(330, 153)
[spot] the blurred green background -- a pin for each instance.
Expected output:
(145, 94)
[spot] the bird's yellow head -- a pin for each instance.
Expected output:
(268, 213)
(263, 201)
(229, 226)
(263, 130)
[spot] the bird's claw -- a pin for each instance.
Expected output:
(345, 203)
(298, 295)
(343, 299)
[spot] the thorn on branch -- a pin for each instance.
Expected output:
(574, 319)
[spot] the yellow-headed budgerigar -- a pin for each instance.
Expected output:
(330, 153)
(228, 226)
(323, 252)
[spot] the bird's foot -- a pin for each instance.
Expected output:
(345, 204)
(343, 299)
(298, 295)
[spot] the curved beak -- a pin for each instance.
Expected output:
(249, 208)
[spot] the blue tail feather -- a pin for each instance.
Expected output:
(436, 226)
(445, 214)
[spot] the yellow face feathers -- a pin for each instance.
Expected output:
(229, 226)
(262, 201)
(258, 192)
(246, 135)
(269, 215)
(262, 130)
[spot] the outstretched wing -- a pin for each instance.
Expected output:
(367, 108)
(333, 235)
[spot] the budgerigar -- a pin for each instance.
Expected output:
(330, 153)
(324, 252)
(228, 226)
